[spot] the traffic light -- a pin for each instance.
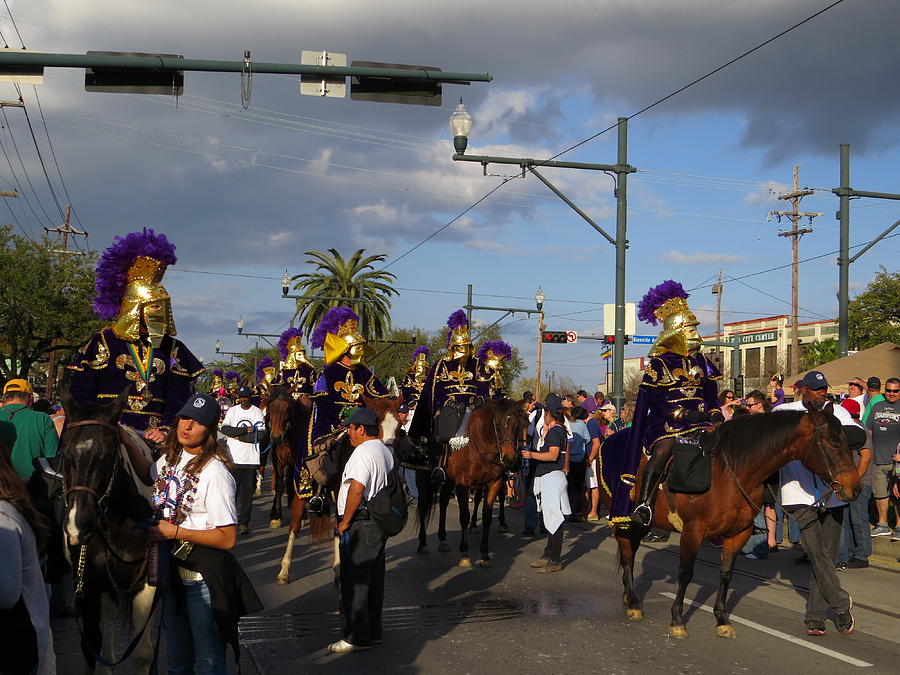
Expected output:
(609, 339)
(554, 336)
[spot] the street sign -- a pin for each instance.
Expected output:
(609, 318)
(133, 81)
(21, 74)
(571, 337)
(312, 85)
(606, 353)
(643, 339)
(389, 90)
(765, 336)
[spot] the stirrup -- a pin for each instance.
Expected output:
(642, 515)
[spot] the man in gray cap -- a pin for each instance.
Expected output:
(362, 540)
(820, 529)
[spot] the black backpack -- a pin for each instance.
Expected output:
(388, 507)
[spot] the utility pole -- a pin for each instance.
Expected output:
(65, 230)
(795, 233)
(537, 379)
(717, 291)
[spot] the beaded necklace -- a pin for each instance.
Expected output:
(176, 509)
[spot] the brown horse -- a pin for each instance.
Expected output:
(286, 419)
(322, 524)
(495, 432)
(750, 448)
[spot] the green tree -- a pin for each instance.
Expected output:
(45, 302)
(875, 313)
(819, 352)
(353, 278)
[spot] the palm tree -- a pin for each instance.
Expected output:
(353, 278)
(819, 352)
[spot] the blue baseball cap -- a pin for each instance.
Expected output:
(814, 380)
(202, 408)
(363, 416)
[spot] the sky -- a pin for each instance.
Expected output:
(244, 193)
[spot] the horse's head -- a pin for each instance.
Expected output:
(828, 455)
(89, 446)
(281, 416)
(386, 409)
(511, 427)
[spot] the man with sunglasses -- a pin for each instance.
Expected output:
(884, 423)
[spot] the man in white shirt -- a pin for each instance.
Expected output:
(244, 426)
(362, 540)
(820, 529)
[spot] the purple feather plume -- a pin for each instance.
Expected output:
(264, 362)
(286, 336)
(330, 322)
(499, 347)
(655, 297)
(115, 261)
(233, 375)
(218, 372)
(423, 349)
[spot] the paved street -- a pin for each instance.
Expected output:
(439, 616)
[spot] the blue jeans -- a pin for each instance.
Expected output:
(856, 542)
(531, 515)
(193, 643)
(409, 475)
(758, 544)
(793, 530)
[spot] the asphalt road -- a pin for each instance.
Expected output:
(440, 617)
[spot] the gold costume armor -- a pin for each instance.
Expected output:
(679, 334)
(143, 288)
(347, 339)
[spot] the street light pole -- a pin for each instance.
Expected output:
(461, 125)
(539, 300)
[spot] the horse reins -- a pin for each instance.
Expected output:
(832, 474)
(84, 488)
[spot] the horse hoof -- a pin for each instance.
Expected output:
(275, 523)
(281, 581)
(634, 614)
(444, 547)
(503, 529)
(423, 549)
(677, 631)
(725, 630)
(485, 563)
(465, 561)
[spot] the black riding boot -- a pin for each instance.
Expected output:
(643, 513)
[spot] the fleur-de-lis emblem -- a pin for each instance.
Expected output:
(460, 376)
(349, 391)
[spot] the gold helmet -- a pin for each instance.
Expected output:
(668, 303)
(459, 343)
(338, 334)
(419, 367)
(129, 288)
(292, 351)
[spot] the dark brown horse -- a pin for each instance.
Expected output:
(286, 419)
(750, 448)
(322, 524)
(105, 523)
(495, 431)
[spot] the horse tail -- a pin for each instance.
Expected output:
(320, 528)
(426, 501)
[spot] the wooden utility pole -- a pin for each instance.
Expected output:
(717, 291)
(795, 233)
(64, 230)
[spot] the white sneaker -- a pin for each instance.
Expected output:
(881, 531)
(343, 647)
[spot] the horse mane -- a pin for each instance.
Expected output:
(749, 441)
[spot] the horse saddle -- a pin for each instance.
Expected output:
(446, 425)
(690, 471)
(323, 463)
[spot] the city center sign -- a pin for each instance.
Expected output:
(752, 338)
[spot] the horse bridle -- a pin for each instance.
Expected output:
(84, 488)
(834, 486)
(500, 442)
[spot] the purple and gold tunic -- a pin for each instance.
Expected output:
(160, 379)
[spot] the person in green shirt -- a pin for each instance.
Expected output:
(35, 432)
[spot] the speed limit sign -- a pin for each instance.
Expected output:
(571, 336)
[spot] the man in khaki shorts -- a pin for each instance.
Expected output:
(884, 423)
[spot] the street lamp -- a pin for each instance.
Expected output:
(539, 299)
(240, 325)
(285, 283)
(460, 126)
(218, 346)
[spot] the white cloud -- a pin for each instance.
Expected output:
(702, 258)
(766, 194)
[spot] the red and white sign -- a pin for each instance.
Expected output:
(571, 337)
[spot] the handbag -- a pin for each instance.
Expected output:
(691, 471)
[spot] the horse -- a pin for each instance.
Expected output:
(286, 418)
(107, 542)
(495, 431)
(750, 448)
(477, 498)
(338, 451)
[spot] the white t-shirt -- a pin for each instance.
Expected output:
(370, 464)
(536, 427)
(252, 418)
(213, 494)
(799, 485)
